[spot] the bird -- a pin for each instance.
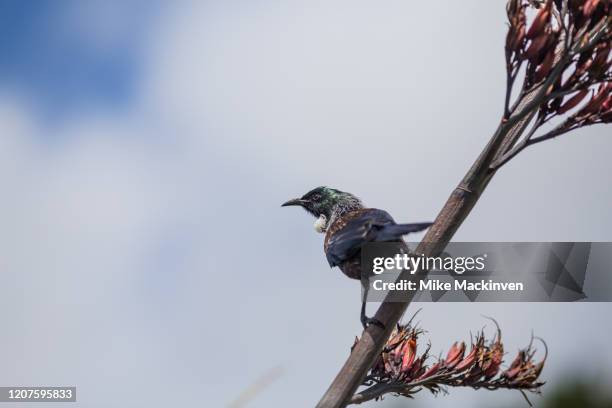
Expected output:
(348, 225)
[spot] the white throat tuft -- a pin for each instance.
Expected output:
(320, 225)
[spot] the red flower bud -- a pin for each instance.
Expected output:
(431, 371)
(607, 105)
(589, 7)
(512, 372)
(467, 361)
(495, 361)
(455, 354)
(408, 354)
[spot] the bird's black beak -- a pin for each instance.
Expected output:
(295, 201)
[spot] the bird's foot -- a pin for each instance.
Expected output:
(367, 321)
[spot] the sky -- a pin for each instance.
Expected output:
(146, 148)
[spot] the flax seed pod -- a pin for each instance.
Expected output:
(540, 21)
(573, 101)
(596, 102)
(544, 69)
(600, 60)
(583, 65)
(535, 48)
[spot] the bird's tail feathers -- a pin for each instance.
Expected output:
(391, 232)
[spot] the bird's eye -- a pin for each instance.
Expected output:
(316, 197)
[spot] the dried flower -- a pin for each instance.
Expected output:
(403, 370)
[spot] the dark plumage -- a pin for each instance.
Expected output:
(346, 236)
(348, 226)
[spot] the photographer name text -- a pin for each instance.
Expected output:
(437, 285)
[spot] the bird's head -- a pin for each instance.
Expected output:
(324, 202)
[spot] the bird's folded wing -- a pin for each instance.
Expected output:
(369, 225)
(364, 227)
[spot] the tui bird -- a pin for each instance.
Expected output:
(348, 225)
